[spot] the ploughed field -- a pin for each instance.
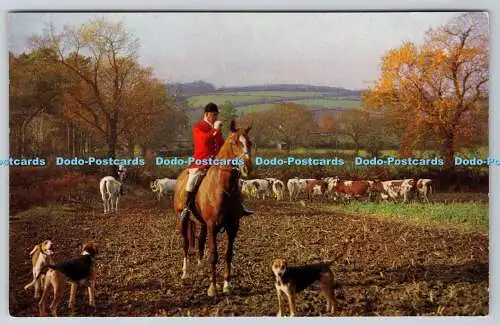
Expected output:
(386, 266)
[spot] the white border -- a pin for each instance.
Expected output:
(156, 5)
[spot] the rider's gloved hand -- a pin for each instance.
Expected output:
(218, 125)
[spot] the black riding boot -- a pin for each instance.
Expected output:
(188, 204)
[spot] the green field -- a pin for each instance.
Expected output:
(471, 214)
(346, 152)
(239, 98)
(481, 151)
(254, 108)
(275, 94)
(311, 102)
(201, 100)
(254, 101)
(329, 102)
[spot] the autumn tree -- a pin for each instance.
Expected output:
(109, 91)
(262, 132)
(328, 122)
(353, 124)
(34, 88)
(145, 106)
(167, 127)
(437, 85)
(378, 134)
(291, 123)
(227, 113)
(328, 125)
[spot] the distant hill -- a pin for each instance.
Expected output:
(246, 99)
(337, 91)
(191, 88)
(202, 87)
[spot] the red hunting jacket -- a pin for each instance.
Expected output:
(207, 142)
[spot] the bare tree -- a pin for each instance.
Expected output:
(101, 57)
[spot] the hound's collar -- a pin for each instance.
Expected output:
(48, 252)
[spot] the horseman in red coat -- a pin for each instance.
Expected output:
(207, 139)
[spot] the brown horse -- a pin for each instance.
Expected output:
(217, 204)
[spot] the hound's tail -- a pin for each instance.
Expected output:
(335, 259)
(44, 269)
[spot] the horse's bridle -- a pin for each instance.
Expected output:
(237, 157)
(232, 168)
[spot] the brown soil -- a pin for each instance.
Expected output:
(385, 267)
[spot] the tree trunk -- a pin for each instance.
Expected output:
(86, 144)
(83, 138)
(130, 145)
(112, 139)
(40, 138)
(448, 152)
(67, 139)
(14, 142)
(73, 140)
(78, 143)
(90, 149)
(23, 139)
(356, 148)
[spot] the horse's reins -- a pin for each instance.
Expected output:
(231, 169)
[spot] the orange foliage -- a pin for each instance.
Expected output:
(435, 85)
(328, 122)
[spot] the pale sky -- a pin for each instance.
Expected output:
(237, 49)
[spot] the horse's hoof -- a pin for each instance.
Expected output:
(227, 287)
(212, 291)
(184, 276)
